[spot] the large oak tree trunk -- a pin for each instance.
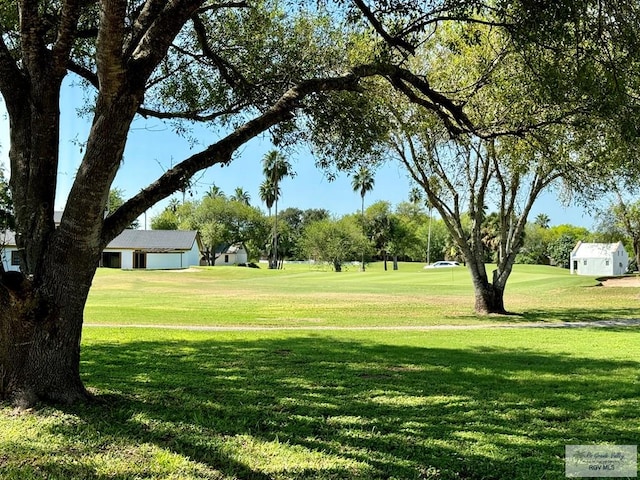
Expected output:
(489, 299)
(39, 344)
(41, 362)
(41, 326)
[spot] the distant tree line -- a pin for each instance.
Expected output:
(380, 232)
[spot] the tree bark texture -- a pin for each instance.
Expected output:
(489, 299)
(40, 342)
(489, 295)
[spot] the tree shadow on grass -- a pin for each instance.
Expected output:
(578, 314)
(316, 407)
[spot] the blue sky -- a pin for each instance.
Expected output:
(153, 147)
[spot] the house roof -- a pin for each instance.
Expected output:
(155, 240)
(594, 250)
(147, 240)
(231, 249)
(7, 238)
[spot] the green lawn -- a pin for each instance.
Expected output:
(335, 404)
(310, 296)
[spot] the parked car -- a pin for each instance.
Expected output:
(443, 264)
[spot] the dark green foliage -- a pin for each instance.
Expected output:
(348, 128)
(534, 250)
(586, 57)
(560, 250)
(223, 222)
(292, 223)
(7, 221)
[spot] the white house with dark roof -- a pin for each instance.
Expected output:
(9, 251)
(143, 249)
(132, 249)
(599, 259)
(153, 250)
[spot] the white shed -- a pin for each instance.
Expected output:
(232, 255)
(153, 250)
(599, 259)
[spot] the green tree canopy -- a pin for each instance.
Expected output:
(334, 241)
(293, 222)
(560, 250)
(621, 220)
(223, 222)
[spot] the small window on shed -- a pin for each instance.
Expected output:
(606, 262)
(584, 262)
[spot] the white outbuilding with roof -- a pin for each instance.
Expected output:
(153, 250)
(599, 259)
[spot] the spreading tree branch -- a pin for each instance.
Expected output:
(221, 152)
(393, 41)
(227, 71)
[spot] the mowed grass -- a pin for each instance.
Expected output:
(301, 296)
(335, 404)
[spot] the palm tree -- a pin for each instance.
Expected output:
(241, 195)
(542, 220)
(362, 181)
(268, 193)
(215, 192)
(275, 167)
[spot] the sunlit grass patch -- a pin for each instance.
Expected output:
(334, 404)
(342, 405)
(301, 295)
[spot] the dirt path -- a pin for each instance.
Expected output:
(632, 322)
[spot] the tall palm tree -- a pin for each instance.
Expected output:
(275, 167)
(362, 182)
(241, 195)
(268, 194)
(214, 192)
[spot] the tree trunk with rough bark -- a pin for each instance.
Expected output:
(40, 351)
(489, 296)
(41, 328)
(489, 299)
